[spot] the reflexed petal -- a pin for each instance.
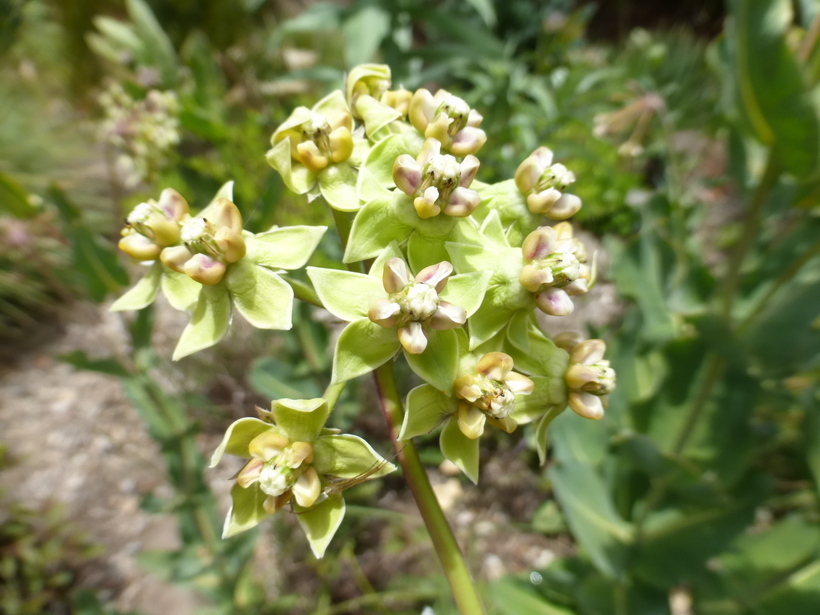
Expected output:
(395, 276)
(529, 171)
(563, 231)
(448, 316)
(463, 202)
(469, 168)
(543, 202)
(435, 275)
(307, 488)
(412, 337)
(565, 207)
(519, 384)
(532, 278)
(471, 421)
(274, 503)
(204, 269)
(588, 352)
(507, 424)
(577, 287)
(555, 302)
(495, 365)
(250, 473)
(384, 312)
(431, 147)
(173, 204)
(302, 451)
(586, 405)
(538, 244)
(407, 174)
(474, 118)
(227, 214)
(468, 141)
(267, 444)
(139, 247)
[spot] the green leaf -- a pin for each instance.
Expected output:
(512, 599)
(363, 33)
(369, 187)
(14, 198)
(81, 360)
(209, 322)
(426, 409)
(771, 88)
(284, 248)
(238, 437)
(345, 294)
(261, 296)
(488, 320)
(143, 293)
(156, 41)
(467, 290)
(246, 510)
(321, 522)
(301, 420)
(362, 347)
(375, 227)
(486, 9)
(181, 291)
(337, 183)
(460, 449)
(376, 115)
(347, 456)
(438, 364)
(296, 176)
(391, 251)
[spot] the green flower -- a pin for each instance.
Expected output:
(294, 459)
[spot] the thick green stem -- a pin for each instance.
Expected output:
(447, 549)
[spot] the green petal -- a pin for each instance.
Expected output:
(347, 456)
(549, 391)
(375, 226)
(362, 347)
(301, 420)
(542, 431)
(337, 183)
(541, 357)
(423, 251)
(238, 437)
(369, 187)
(332, 105)
(375, 115)
(460, 449)
(488, 320)
(209, 322)
(284, 248)
(246, 510)
(181, 291)
(345, 294)
(492, 229)
(383, 155)
(426, 409)
(391, 251)
(225, 192)
(143, 293)
(321, 521)
(261, 296)
(438, 364)
(296, 176)
(467, 290)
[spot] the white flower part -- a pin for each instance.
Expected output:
(420, 302)
(275, 478)
(194, 230)
(316, 124)
(455, 106)
(501, 402)
(142, 212)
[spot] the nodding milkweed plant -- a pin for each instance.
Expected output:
(441, 268)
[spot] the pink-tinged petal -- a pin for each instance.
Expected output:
(471, 421)
(204, 269)
(539, 244)
(139, 247)
(267, 445)
(469, 168)
(474, 119)
(311, 157)
(384, 313)
(176, 257)
(230, 243)
(532, 278)
(448, 316)
(578, 375)
(250, 473)
(465, 387)
(407, 174)
(554, 301)
(413, 338)
(565, 207)
(463, 202)
(426, 205)
(543, 202)
(567, 340)
(519, 384)
(468, 141)
(495, 365)
(588, 352)
(586, 405)
(395, 276)
(227, 214)
(435, 275)
(577, 287)
(307, 488)
(421, 110)
(173, 204)
(431, 148)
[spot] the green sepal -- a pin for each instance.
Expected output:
(375, 226)
(348, 456)
(375, 115)
(345, 294)
(426, 409)
(297, 177)
(467, 290)
(510, 205)
(383, 156)
(225, 192)
(209, 322)
(362, 347)
(238, 437)
(261, 296)
(337, 182)
(438, 364)
(246, 511)
(301, 420)
(180, 289)
(143, 293)
(321, 521)
(460, 449)
(542, 431)
(289, 247)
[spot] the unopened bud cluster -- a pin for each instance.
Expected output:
(544, 182)
(589, 378)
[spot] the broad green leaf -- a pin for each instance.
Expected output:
(238, 438)
(578, 439)
(181, 291)
(162, 51)
(363, 33)
(374, 228)
(467, 290)
(301, 420)
(337, 183)
(209, 322)
(542, 431)
(143, 293)
(362, 347)
(460, 449)
(345, 294)
(296, 176)
(489, 319)
(246, 510)
(14, 198)
(512, 599)
(347, 456)
(376, 115)
(426, 409)
(289, 247)
(438, 364)
(321, 521)
(261, 296)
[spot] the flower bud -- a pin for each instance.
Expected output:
(589, 377)
(543, 182)
(205, 270)
(567, 340)
(528, 172)
(139, 247)
(554, 301)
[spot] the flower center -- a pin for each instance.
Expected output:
(565, 267)
(317, 129)
(604, 384)
(419, 302)
(555, 176)
(442, 172)
(457, 110)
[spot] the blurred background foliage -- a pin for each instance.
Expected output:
(693, 130)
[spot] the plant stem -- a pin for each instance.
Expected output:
(303, 292)
(447, 549)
